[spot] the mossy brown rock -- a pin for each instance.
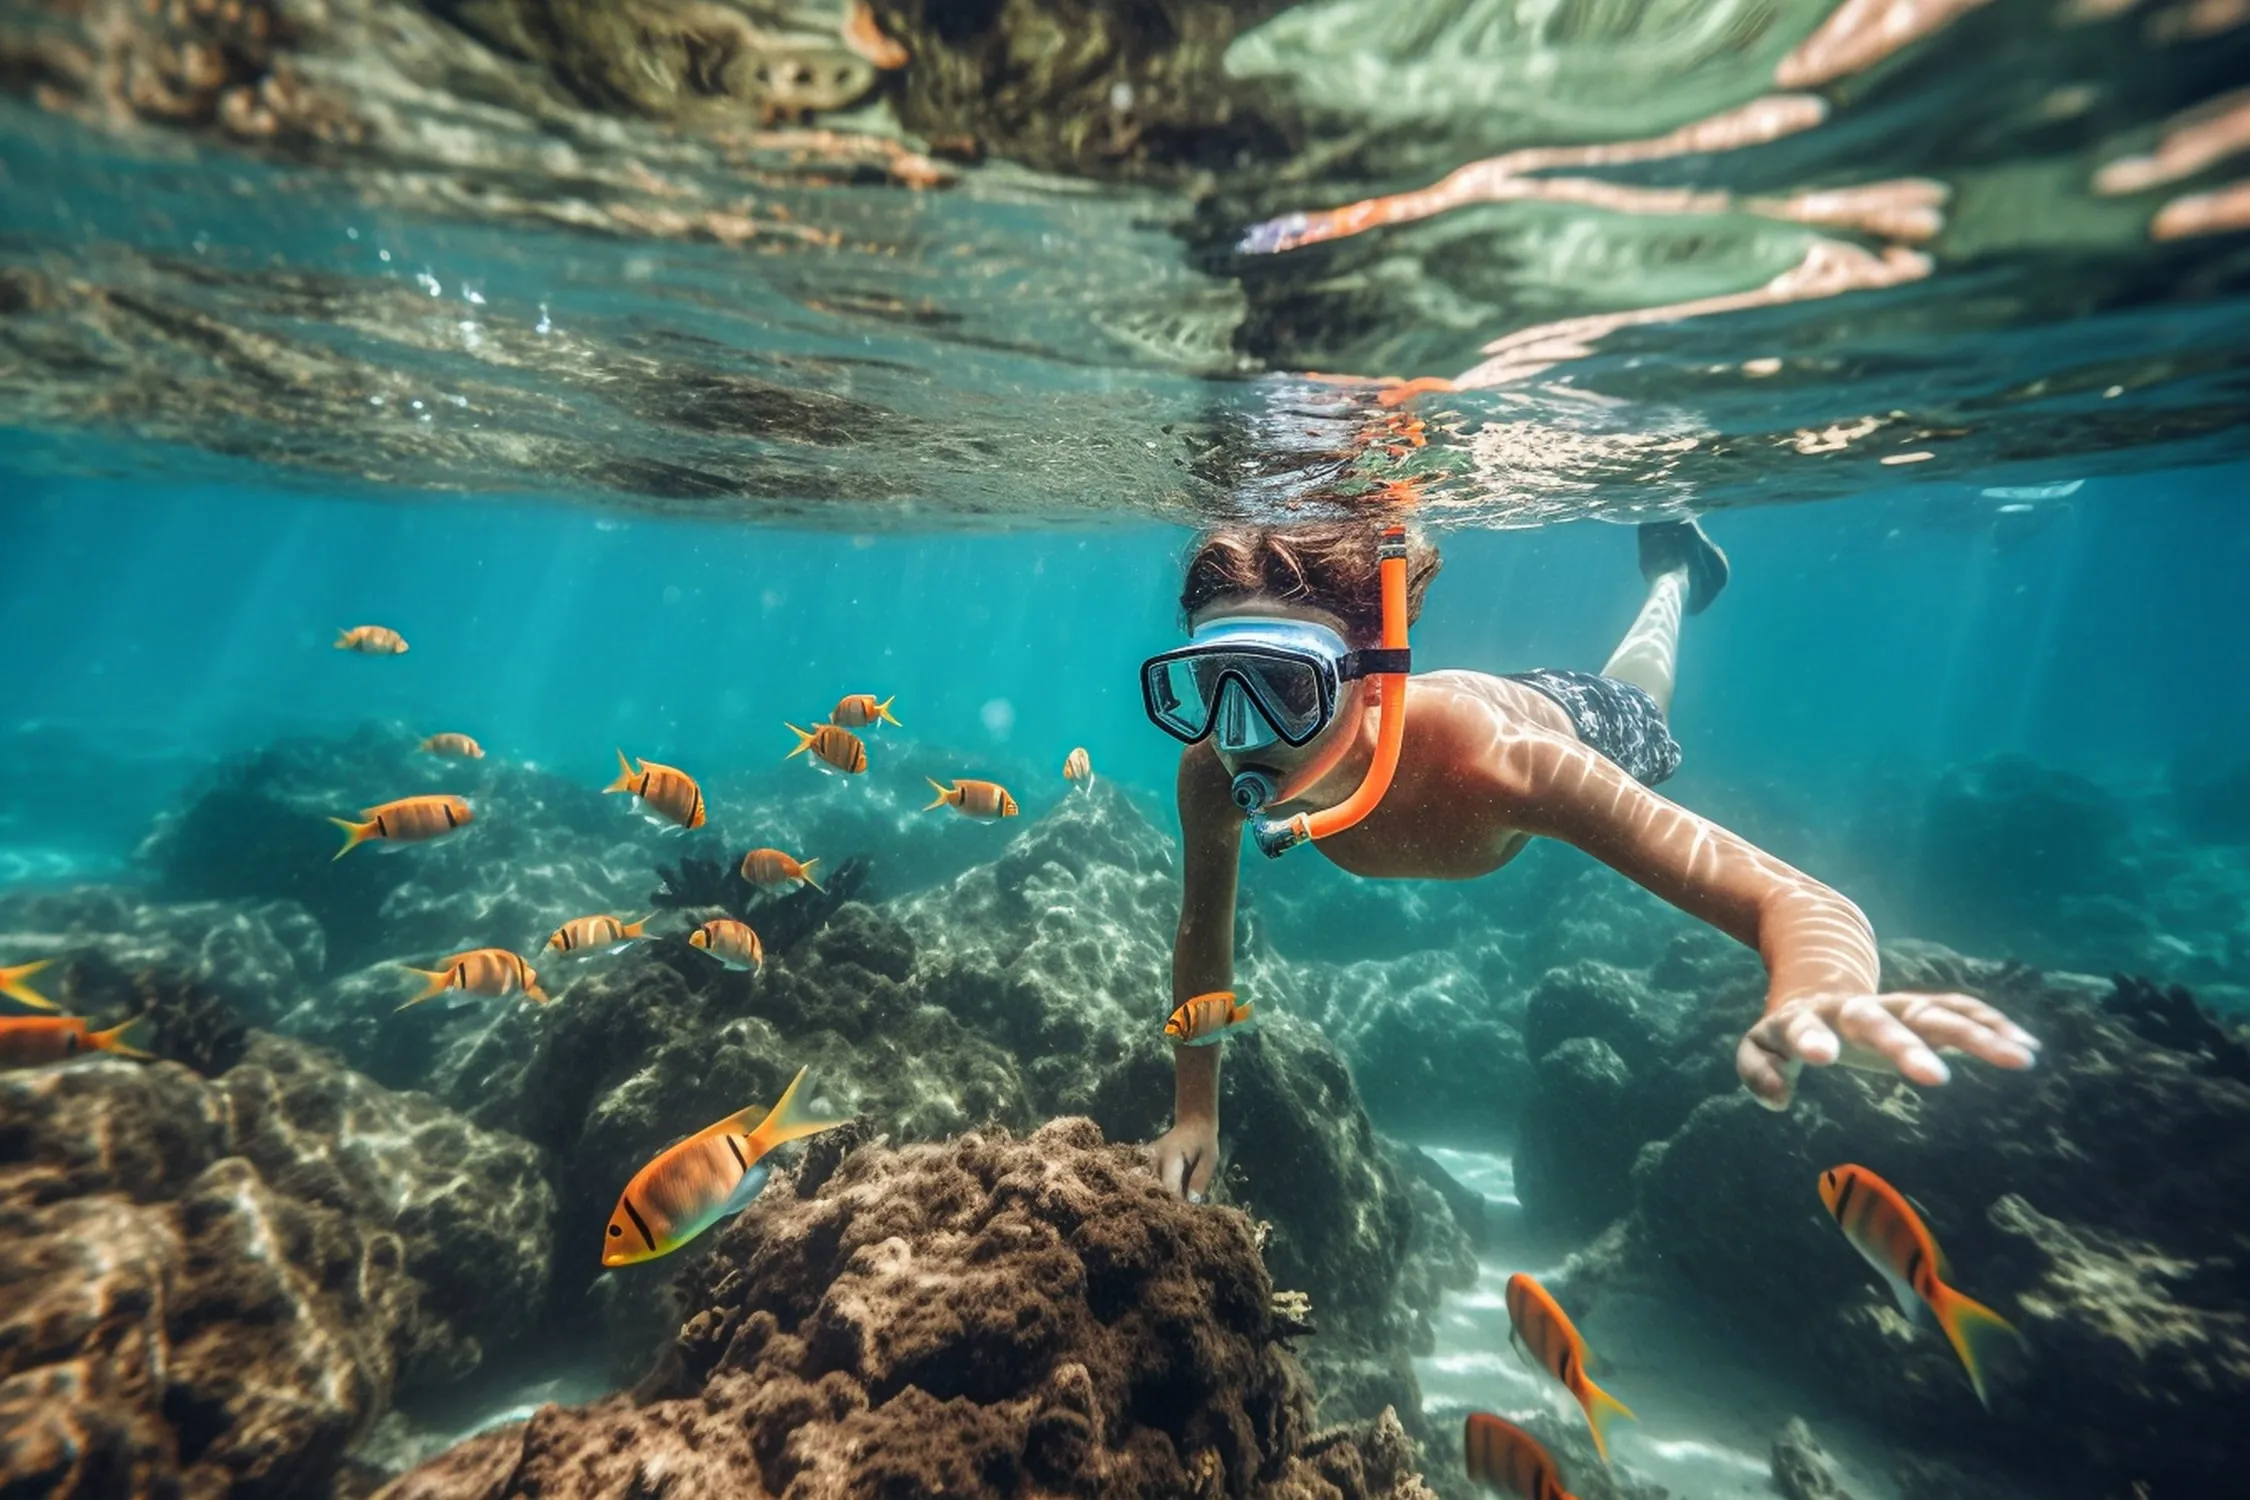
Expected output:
(992, 1316)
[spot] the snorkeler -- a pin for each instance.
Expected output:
(1294, 704)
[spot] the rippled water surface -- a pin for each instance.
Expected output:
(1638, 256)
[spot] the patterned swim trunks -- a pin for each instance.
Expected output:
(1615, 718)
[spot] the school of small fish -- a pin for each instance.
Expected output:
(689, 1186)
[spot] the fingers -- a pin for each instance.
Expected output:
(1870, 1025)
(1806, 1036)
(1199, 1179)
(1969, 1025)
(1171, 1166)
(1765, 1073)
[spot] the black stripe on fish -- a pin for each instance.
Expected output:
(638, 1223)
(739, 1159)
(1914, 1268)
(1844, 1197)
(450, 820)
(1562, 1372)
(382, 829)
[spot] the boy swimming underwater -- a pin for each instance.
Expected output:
(1297, 636)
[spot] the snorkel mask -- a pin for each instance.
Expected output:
(1254, 680)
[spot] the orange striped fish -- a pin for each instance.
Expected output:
(833, 744)
(983, 800)
(454, 746)
(1546, 1332)
(859, 710)
(583, 935)
(1079, 767)
(409, 820)
(869, 40)
(12, 985)
(732, 943)
(666, 793)
(772, 870)
(1209, 1019)
(371, 640)
(1891, 1236)
(491, 972)
(713, 1173)
(28, 1041)
(1504, 1457)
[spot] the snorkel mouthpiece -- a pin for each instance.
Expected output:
(1277, 836)
(1253, 789)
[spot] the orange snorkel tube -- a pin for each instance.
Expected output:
(1277, 836)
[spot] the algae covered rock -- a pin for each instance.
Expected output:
(2094, 1200)
(990, 1316)
(219, 1286)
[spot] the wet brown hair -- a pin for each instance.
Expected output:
(1329, 565)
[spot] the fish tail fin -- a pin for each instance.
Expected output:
(794, 1117)
(945, 793)
(1245, 1014)
(806, 871)
(635, 929)
(438, 979)
(625, 774)
(1977, 1333)
(12, 985)
(883, 711)
(123, 1039)
(355, 834)
(805, 737)
(1602, 1409)
(343, 639)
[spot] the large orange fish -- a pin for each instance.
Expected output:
(409, 820)
(1078, 766)
(983, 800)
(1209, 1019)
(1546, 1331)
(832, 743)
(772, 870)
(732, 943)
(583, 935)
(28, 1041)
(1504, 1457)
(454, 746)
(491, 972)
(12, 985)
(666, 792)
(713, 1173)
(371, 640)
(1886, 1230)
(859, 710)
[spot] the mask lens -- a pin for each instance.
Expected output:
(1287, 689)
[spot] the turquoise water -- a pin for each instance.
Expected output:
(657, 430)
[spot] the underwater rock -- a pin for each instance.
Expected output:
(217, 1286)
(2169, 1017)
(2094, 1200)
(1581, 1130)
(1801, 1468)
(1060, 951)
(990, 1315)
(257, 956)
(1432, 1057)
(542, 849)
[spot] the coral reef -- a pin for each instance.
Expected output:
(217, 1287)
(2169, 1017)
(2093, 1200)
(1059, 950)
(990, 1316)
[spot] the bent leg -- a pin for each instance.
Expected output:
(1649, 655)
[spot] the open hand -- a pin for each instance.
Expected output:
(1875, 1031)
(1184, 1157)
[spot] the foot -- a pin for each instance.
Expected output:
(1671, 546)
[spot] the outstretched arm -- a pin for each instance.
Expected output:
(1822, 999)
(1202, 960)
